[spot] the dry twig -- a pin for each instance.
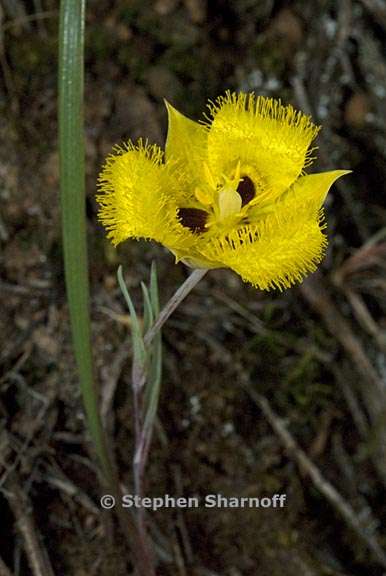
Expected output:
(4, 570)
(328, 490)
(22, 510)
(370, 385)
(377, 9)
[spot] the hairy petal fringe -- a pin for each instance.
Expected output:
(136, 197)
(276, 237)
(261, 133)
(277, 253)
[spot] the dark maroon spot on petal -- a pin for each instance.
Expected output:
(193, 218)
(246, 189)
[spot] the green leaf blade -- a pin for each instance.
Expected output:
(73, 208)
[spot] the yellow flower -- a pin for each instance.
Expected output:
(231, 192)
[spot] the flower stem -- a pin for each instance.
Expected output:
(174, 302)
(144, 430)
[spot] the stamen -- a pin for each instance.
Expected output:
(246, 189)
(193, 218)
(209, 177)
(204, 196)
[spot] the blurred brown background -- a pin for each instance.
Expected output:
(316, 353)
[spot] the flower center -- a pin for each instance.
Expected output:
(229, 202)
(234, 195)
(223, 202)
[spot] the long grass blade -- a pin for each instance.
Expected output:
(155, 370)
(136, 332)
(147, 308)
(72, 181)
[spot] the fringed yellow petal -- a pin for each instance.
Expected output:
(136, 197)
(271, 141)
(313, 188)
(310, 190)
(186, 149)
(277, 253)
(231, 194)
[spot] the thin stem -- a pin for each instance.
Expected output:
(174, 302)
(143, 431)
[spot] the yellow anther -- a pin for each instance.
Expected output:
(208, 176)
(237, 173)
(203, 196)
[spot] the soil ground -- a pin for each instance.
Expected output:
(317, 352)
